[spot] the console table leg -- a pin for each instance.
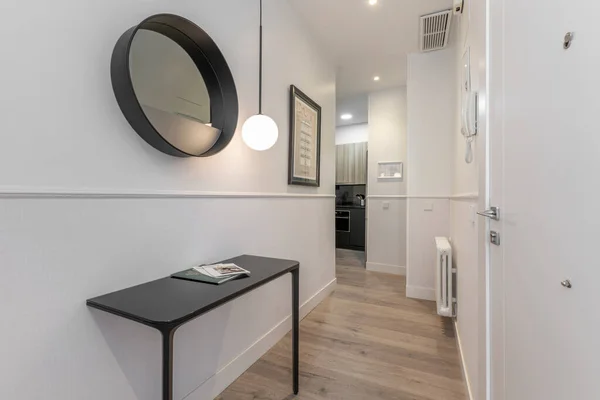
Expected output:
(167, 364)
(295, 325)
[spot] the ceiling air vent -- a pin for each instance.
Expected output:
(435, 30)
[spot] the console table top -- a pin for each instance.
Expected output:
(169, 302)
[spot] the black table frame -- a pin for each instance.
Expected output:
(167, 330)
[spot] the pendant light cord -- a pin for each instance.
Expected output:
(260, 60)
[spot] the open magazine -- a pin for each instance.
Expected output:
(222, 270)
(215, 274)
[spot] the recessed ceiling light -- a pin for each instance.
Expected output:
(372, 2)
(346, 117)
(376, 78)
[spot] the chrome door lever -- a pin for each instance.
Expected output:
(567, 283)
(493, 213)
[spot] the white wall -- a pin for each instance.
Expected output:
(468, 230)
(442, 188)
(386, 206)
(357, 133)
(431, 121)
(87, 207)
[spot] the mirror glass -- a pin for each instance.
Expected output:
(172, 92)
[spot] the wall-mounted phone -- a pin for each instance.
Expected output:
(469, 109)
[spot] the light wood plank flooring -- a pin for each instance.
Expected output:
(366, 341)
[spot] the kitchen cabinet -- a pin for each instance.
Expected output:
(342, 240)
(351, 164)
(350, 228)
(357, 228)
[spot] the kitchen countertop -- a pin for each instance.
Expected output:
(350, 206)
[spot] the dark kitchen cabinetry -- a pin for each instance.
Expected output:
(342, 240)
(350, 228)
(357, 228)
(342, 228)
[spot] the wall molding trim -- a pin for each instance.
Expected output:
(415, 196)
(387, 196)
(462, 362)
(91, 193)
(434, 196)
(419, 292)
(386, 268)
(465, 196)
(459, 196)
(214, 385)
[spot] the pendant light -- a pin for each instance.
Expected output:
(260, 132)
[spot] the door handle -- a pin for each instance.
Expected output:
(492, 213)
(567, 283)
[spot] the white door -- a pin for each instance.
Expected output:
(544, 157)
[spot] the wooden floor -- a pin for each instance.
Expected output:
(366, 341)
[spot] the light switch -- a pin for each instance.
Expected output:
(428, 207)
(386, 205)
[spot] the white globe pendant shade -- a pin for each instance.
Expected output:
(260, 132)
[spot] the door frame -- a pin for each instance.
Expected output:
(494, 182)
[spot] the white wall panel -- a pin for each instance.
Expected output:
(62, 131)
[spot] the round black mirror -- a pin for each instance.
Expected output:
(175, 87)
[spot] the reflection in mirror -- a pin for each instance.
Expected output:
(171, 92)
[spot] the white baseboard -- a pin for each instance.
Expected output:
(236, 367)
(315, 300)
(386, 268)
(422, 293)
(462, 362)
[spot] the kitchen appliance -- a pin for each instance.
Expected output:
(361, 199)
(342, 220)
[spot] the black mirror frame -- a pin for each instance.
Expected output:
(212, 66)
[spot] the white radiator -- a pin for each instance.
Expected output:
(444, 278)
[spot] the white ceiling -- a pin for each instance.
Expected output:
(357, 106)
(368, 40)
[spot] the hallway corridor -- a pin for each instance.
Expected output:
(366, 341)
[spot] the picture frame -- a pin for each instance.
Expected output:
(390, 170)
(304, 167)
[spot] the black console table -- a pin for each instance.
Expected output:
(168, 303)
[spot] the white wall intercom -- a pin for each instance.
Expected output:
(469, 109)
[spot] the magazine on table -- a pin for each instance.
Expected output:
(215, 274)
(222, 270)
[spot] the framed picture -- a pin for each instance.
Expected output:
(305, 140)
